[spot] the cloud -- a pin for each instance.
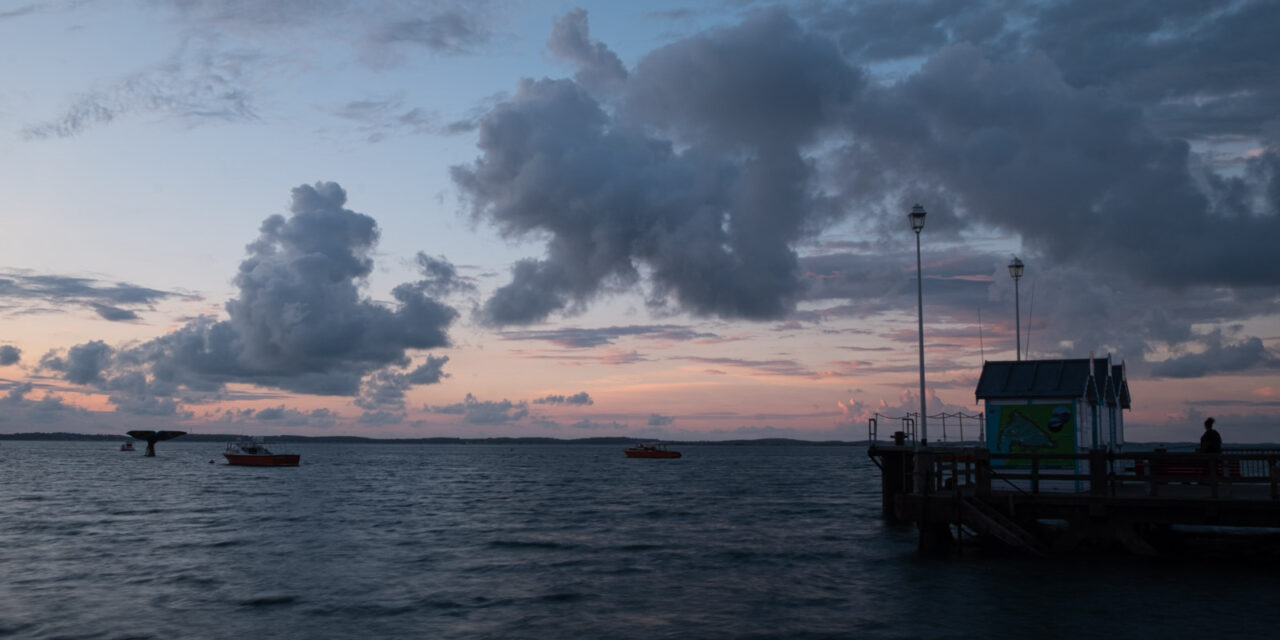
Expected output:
(9, 354)
(450, 31)
(658, 420)
(380, 119)
(599, 69)
(581, 398)
(83, 363)
(19, 12)
(299, 323)
(29, 292)
(194, 86)
(381, 418)
(282, 416)
(440, 277)
(591, 425)
(774, 367)
(313, 418)
(230, 51)
(49, 409)
(721, 152)
(387, 388)
(1218, 357)
(695, 209)
(584, 338)
(114, 314)
(964, 124)
(475, 411)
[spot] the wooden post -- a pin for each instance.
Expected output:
(894, 480)
(1097, 472)
(1212, 467)
(982, 463)
(1275, 478)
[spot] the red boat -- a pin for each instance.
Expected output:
(650, 451)
(251, 453)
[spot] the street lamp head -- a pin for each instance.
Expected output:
(917, 218)
(1015, 268)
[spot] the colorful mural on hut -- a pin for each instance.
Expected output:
(1032, 428)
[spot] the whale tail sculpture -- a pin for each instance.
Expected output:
(152, 437)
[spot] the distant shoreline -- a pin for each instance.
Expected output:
(226, 437)
(613, 441)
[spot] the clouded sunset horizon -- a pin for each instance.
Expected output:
(668, 220)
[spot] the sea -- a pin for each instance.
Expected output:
(371, 541)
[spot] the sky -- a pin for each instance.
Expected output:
(677, 220)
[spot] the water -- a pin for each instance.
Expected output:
(568, 541)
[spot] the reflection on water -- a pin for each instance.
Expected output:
(573, 541)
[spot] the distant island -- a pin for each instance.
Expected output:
(225, 437)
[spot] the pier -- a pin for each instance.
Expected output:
(1051, 504)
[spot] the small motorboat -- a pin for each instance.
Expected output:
(655, 450)
(249, 452)
(128, 446)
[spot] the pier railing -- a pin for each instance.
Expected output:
(907, 427)
(978, 471)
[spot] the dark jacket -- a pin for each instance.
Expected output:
(1210, 442)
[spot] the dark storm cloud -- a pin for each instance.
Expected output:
(580, 338)
(29, 292)
(581, 398)
(299, 323)
(9, 354)
(1204, 68)
(696, 209)
(1068, 126)
(1078, 176)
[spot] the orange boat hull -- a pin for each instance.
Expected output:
(274, 460)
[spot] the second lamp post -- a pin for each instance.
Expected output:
(917, 223)
(1015, 270)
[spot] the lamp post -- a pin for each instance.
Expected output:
(1015, 270)
(917, 223)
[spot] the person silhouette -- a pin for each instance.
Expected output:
(1211, 441)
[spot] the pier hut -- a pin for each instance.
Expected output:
(1053, 407)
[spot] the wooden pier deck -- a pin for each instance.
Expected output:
(1096, 497)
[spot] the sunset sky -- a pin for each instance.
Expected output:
(679, 220)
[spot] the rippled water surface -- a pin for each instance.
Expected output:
(553, 541)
